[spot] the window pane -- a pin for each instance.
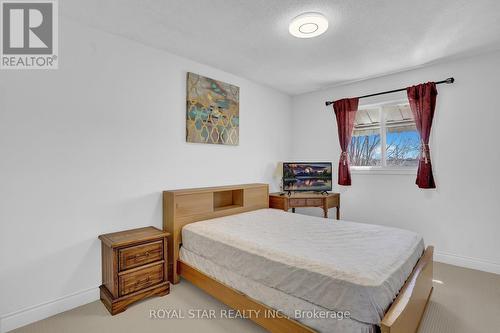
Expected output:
(364, 149)
(402, 138)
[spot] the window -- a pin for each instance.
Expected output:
(384, 138)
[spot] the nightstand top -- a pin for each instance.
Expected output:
(127, 237)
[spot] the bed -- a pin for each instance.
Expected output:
(226, 241)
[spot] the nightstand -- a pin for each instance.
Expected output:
(296, 200)
(134, 266)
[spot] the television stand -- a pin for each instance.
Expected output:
(303, 199)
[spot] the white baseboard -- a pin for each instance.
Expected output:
(467, 262)
(41, 311)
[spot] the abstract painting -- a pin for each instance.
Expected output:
(213, 111)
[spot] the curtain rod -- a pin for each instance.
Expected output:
(448, 80)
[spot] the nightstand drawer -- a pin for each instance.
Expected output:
(314, 202)
(297, 202)
(140, 279)
(138, 255)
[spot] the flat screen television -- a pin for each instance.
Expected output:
(307, 176)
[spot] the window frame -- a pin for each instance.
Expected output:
(383, 169)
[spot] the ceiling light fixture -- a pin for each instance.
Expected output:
(308, 25)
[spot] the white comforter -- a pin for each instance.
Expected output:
(340, 266)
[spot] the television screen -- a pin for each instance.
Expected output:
(307, 176)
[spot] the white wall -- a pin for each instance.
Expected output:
(460, 217)
(87, 149)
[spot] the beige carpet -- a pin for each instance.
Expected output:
(466, 301)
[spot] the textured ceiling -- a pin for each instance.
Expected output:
(250, 38)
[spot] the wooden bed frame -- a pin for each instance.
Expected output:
(181, 207)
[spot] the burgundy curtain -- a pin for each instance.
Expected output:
(422, 100)
(345, 111)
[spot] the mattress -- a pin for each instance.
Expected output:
(336, 265)
(287, 304)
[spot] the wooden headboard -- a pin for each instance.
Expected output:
(181, 207)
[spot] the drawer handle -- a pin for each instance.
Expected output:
(145, 281)
(139, 256)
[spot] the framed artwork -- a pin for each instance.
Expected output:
(213, 111)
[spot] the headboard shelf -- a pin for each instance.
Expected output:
(221, 208)
(228, 199)
(181, 207)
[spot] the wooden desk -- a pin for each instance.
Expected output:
(325, 201)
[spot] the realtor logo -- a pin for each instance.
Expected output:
(29, 34)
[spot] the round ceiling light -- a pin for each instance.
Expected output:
(308, 25)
